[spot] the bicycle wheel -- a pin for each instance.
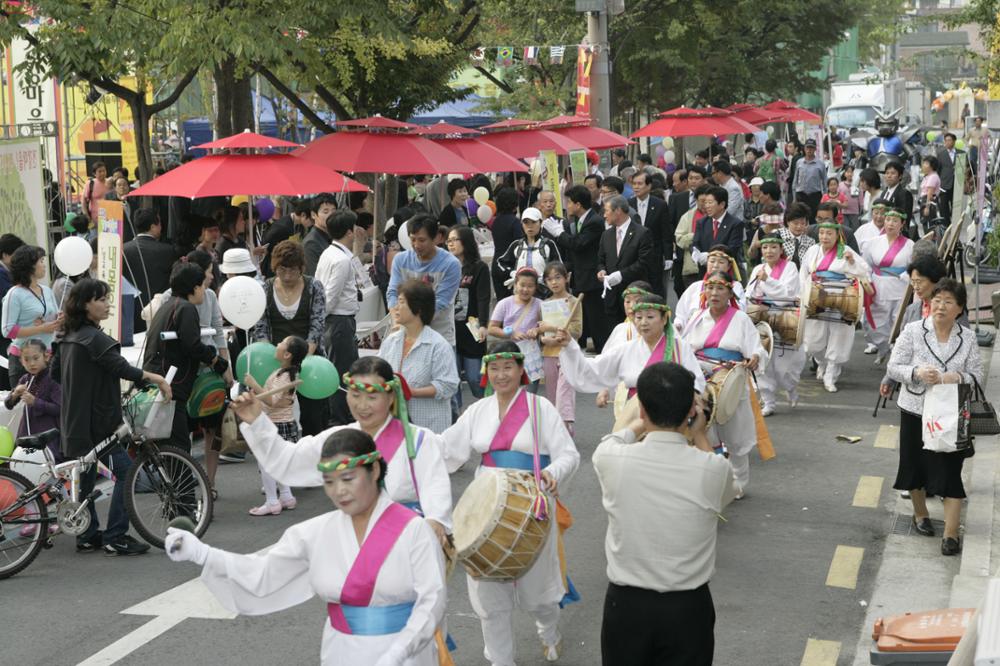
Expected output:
(24, 530)
(163, 483)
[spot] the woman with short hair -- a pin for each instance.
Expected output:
(30, 309)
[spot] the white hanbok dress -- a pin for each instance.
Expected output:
(786, 363)
(865, 234)
(739, 434)
(890, 282)
(313, 558)
(294, 464)
(830, 341)
(621, 333)
(689, 303)
(540, 590)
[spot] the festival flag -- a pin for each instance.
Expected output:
(505, 56)
(478, 55)
(584, 61)
(556, 54)
(530, 55)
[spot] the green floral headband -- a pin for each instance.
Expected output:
(766, 240)
(895, 213)
(509, 356)
(381, 387)
(401, 391)
(651, 306)
(356, 461)
(634, 291)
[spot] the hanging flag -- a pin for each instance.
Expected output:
(505, 56)
(478, 55)
(530, 55)
(556, 54)
(584, 61)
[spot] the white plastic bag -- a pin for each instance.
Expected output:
(940, 418)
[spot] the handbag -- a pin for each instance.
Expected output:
(982, 416)
(232, 438)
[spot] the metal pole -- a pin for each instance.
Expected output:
(600, 95)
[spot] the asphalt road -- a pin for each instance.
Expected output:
(776, 555)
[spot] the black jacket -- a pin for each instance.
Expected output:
(89, 366)
(147, 265)
(578, 245)
(636, 261)
(313, 245)
(902, 199)
(186, 353)
(730, 234)
(656, 222)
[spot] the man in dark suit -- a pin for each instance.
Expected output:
(652, 212)
(718, 227)
(318, 239)
(947, 155)
(895, 193)
(455, 212)
(626, 254)
(578, 240)
(147, 261)
(678, 204)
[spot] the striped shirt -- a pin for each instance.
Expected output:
(431, 362)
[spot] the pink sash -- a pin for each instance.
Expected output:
(894, 249)
(657, 356)
(360, 582)
(515, 417)
(779, 268)
(714, 338)
(390, 439)
(827, 261)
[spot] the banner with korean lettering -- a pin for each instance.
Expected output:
(109, 261)
(22, 193)
(550, 176)
(33, 102)
(584, 61)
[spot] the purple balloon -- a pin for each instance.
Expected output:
(472, 206)
(265, 209)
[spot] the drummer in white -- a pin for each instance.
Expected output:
(693, 298)
(723, 336)
(499, 431)
(416, 473)
(888, 255)
(775, 282)
(384, 613)
(827, 340)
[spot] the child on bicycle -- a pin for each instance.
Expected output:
(280, 409)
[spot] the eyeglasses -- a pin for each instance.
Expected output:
(287, 270)
(453, 240)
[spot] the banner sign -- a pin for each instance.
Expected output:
(578, 165)
(550, 180)
(22, 194)
(584, 61)
(109, 261)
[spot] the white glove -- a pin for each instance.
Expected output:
(392, 657)
(183, 546)
(613, 280)
(552, 226)
(668, 264)
(699, 257)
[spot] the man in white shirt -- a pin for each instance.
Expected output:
(664, 498)
(337, 272)
(722, 174)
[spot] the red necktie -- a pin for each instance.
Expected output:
(715, 229)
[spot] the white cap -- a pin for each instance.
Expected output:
(756, 180)
(532, 214)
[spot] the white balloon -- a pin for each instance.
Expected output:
(485, 214)
(404, 237)
(481, 195)
(667, 142)
(669, 157)
(242, 301)
(73, 256)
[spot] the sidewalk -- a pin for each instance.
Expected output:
(913, 575)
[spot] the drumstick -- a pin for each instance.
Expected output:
(280, 389)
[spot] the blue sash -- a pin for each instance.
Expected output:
(413, 506)
(719, 354)
(893, 270)
(377, 620)
(518, 460)
(831, 275)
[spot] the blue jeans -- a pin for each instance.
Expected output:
(117, 527)
(470, 366)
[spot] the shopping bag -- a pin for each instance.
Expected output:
(940, 418)
(232, 438)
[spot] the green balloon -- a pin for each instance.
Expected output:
(6, 442)
(319, 378)
(261, 355)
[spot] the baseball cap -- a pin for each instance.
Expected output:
(810, 143)
(532, 214)
(756, 180)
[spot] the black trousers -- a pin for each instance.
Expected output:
(944, 204)
(595, 323)
(342, 350)
(812, 200)
(646, 628)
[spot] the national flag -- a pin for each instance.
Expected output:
(478, 55)
(505, 56)
(556, 54)
(530, 55)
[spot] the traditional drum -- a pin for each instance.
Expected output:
(841, 296)
(766, 336)
(785, 324)
(208, 396)
(496, 535)
(723, 389)
(757, 311)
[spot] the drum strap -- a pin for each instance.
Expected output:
(668, 346)
(779, 268)
(360, 582)
(886, 263)
(511, 424)
(827, 260)
(718, 331)
(388, 443)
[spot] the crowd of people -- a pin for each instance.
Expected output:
(568, 304)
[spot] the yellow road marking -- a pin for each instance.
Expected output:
(868, 492)
(844, 567)
(887, 437)
(821, 653)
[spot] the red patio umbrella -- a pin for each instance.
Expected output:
(441, 128)
(391, 153)
(253, 175)
(788, 112)
(509, 123)
(248, 139)
(752, 114)
(580, 129)
(483, 156)
(376, 122)
(528, 142)
(565, 121)
(684, 121)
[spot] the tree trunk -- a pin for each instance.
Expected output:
(242, 105)
(141, 118)
(224, 85)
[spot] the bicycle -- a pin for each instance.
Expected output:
(164, 482)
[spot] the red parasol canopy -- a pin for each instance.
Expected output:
(752, 114)
(483, 156)
(254, 175)
(392, 153)
(527, 142)
(248, 139)
(565, 121)
(441, 128)
(510, 123)
(377, 122)
(594, 138)
(788, 112)
(683, 121)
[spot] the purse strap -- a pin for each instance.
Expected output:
(980, 395)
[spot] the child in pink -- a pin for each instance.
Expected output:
(557, 389)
